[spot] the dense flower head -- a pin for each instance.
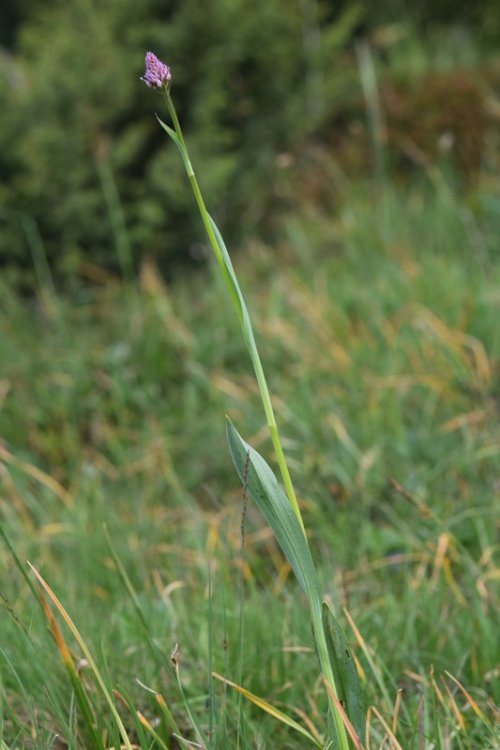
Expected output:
(157, 75)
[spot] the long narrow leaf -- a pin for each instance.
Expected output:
(272, 501)
(268, 495)
(173, 135)
(236, 292)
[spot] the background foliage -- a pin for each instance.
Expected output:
(80, 121)
(87, 178)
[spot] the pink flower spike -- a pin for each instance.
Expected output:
(157, 75)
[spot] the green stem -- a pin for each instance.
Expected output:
(239, 302)
(254, 354)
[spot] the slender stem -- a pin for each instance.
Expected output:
(315, 601)
(254, 354)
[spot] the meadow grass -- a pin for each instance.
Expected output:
(383, 354)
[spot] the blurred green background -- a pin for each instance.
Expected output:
(270, 96)
(349, 152)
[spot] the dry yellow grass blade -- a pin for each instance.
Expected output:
(369, 656)
(395, 713)
(470, 700)
(73, 672)
(56, 633)
(147, 726)
(454, 708)
(305, 718)
(85, 650)
(40, 476)
(394, 743)
(349, 727)
(268, 708)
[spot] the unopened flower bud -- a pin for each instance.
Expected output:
(157, 75)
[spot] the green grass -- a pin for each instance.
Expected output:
(384, 360)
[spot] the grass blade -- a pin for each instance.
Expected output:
(67, 659)
(270, 709)
(69, 622)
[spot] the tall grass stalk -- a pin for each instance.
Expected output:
(262, 486)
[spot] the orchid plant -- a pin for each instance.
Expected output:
(279, 506)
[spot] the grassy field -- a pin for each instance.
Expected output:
(378, 329)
